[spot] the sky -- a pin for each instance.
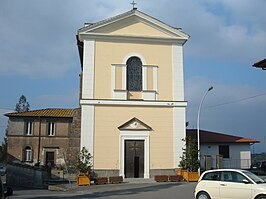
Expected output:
(39, 57)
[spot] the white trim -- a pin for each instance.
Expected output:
(135, 135)
(139, 17)
(131, 38)
(88, 69)
(144, 78)
(113, 78)
(124, 78)
(155, 81)
(134, 103)
(162, 25)
(87, 128)
(118, 94)
(179, 134)
(178, 79)
(149, 95)
(133, 54)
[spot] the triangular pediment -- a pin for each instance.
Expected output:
(133, 23)
(136, 125)
(133, 26)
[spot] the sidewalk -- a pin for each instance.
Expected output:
(74, 186)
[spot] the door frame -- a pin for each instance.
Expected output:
(135, 135)
(54, 150)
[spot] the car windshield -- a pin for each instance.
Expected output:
(255, 178)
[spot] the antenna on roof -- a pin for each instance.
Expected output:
(133, 4)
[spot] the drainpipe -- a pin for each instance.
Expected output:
(39, 142)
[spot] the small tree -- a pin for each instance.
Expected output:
(189, 158)
(84, 162)
(22, 105)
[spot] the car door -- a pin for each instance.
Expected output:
(233, 187)
(210, 183)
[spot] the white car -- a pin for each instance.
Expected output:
(230, 184)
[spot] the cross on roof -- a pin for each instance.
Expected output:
(133, 4)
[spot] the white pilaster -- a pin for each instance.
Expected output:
(179, 133)
(144, 78)
(155, 81)
(88, 69)
(113, 80)
(178, 76)
(124, 77)
(87, 127)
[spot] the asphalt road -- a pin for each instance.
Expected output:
(180, 190)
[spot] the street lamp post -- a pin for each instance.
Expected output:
(198, 123)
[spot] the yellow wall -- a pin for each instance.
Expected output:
(118, 79)
(131, 27)
(107, 134)
(139, 29)
(107, 53)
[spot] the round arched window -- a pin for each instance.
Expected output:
(134, 74)
(28, 153)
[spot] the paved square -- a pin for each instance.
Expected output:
(117, 191)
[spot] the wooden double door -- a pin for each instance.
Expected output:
(134, 158)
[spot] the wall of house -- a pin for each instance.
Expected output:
(17, 140)
(74, 139)
(240, 155)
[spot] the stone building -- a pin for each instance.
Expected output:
(47, 136)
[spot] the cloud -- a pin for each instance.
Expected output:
(38, 37)
(231, 109)
(66, 99)
(223, 30)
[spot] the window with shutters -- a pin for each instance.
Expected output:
(28, 129)
(51, 129)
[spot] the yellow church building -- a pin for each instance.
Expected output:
(132, 95)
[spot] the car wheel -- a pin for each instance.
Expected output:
(261, 197)
(203, 195)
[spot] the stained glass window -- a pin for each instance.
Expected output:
(134, 74)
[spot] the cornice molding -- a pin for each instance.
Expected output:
(133, 103)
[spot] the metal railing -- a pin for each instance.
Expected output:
(225, 163)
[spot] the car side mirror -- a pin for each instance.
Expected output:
(245, 181)
(8, 192)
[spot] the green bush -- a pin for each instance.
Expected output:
(84, 162)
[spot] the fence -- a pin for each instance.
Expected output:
(224, 163)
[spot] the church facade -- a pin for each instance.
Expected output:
(132, 95)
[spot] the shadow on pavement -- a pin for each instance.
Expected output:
(122, 192)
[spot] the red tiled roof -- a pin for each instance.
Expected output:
(212, 137)
(261, 64)
(49, 112)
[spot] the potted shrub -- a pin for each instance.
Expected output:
(84, 165)
(189, 161)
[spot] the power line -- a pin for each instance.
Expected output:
(236, 101)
